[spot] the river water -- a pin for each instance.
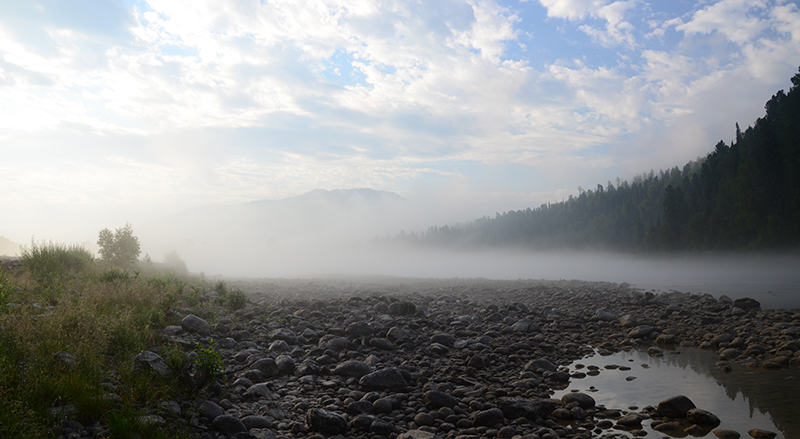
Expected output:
(743, 399)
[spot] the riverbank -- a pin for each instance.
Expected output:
(457, 358)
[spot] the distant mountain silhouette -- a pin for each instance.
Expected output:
(318, 217)
(8, 247)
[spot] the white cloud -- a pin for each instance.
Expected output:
(190, 102)
(738, 20)
(616, 30)
(572, 9)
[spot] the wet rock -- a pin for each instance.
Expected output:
(360, 407)
(723, 433)
(151, 361)
(359, 329)
(228, 424)
(434, 399)
(252, 422)
(256, 391)
(527, 408)
(488, 418)
(284, 334)
(675, 407)
(285, 364)
(702, 417)
(267, 366)
(381, 427)
(666, 340)
(584, 401)
(417, 434)
(383, 344)
(423, 419)
(326, 422)
(396, 334)
(630, 420)
(758, 433)
(641, 331)
(747, 303)
(195, 325)
(209, 409)
(606, 316)
(540, 363)
(384, 380)
(402, 308)
(443, 339)
(353, 368)
(335, 343)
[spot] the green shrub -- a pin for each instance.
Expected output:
(208, 363)
(221, 288)
(6, 288)
(234, 300)
(52, 262)
(114, 275)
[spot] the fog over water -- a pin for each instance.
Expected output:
(324, 233)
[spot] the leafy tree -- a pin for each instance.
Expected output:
(121, 247)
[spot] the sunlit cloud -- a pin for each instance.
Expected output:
(149, 105)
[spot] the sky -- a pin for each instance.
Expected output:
(125, 111)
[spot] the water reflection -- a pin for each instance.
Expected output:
(743, 399)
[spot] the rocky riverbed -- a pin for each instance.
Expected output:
(423, 359)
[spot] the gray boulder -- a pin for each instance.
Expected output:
(195, 325)
(385, 379)
(153, 362)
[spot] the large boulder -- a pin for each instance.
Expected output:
(385, 379)
(153, 362)
(195, 325)
(326, 422)
(488, 418)
(584, 401)
(353, 368)
(747, 303)
(675, 407)
(435, 399)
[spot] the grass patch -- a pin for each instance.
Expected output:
(70, 328)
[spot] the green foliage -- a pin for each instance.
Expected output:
(50, 262)
(208, 365)
(114, 275)
(6, 288)
(234, 300)
(221, 287)
(102, 321)
(121, 247)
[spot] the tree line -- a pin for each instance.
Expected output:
(743, 195)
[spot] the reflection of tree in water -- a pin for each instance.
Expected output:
(775, 394)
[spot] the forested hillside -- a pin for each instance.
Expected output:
(743, 195)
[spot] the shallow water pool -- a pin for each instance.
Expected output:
(742, 399)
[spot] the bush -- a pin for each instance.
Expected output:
(121, 248)
(5, 292)
(234, 300)
(207, 364)
(45, 260)
(114, 274)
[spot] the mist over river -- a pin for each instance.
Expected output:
(772, 279)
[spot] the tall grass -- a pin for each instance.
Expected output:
(68, 334)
